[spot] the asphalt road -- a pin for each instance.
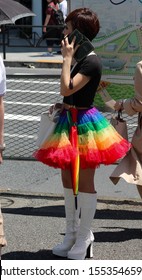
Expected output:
(34, 225)
(33, 209)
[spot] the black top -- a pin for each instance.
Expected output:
(92, 67)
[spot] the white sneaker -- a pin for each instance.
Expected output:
(48, 54)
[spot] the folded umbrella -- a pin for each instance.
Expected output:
(73, 136)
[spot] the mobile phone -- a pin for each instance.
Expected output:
(79, 37)
(85, 45)
(84, 49)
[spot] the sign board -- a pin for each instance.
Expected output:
(119, 42)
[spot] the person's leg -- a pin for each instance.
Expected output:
(2, 238)
(49, 46)
(52, 38)
(87, 200)
(86, 180)
(139, 188)
(72, 217)
(49, 41)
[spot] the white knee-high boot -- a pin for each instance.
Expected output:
(72, 223)
(83, 246)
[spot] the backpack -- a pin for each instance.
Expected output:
(58, 14)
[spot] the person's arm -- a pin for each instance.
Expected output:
(79, 80)
(133, 105)
(46, 22)
(1, 127)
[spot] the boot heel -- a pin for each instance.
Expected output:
(89, 253)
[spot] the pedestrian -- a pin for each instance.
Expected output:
(130, 167)
(2, 146)
(98, 141)
(49, 31)
(63, 7)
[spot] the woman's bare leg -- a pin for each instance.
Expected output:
(86, 181)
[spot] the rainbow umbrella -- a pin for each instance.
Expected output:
(73, 137)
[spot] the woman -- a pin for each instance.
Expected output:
(2, 146)
(98, 142)
(130, 168)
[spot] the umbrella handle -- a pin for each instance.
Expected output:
(76, 204)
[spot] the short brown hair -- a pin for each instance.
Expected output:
(86, 21)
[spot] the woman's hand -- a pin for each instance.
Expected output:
(67, 49)
(44, 29)
(55, 106)
(118, 105)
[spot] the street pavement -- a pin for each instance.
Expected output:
(31, 58)
(34, 224)
(33, 204)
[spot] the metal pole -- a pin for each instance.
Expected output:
(69, 6)
(3, 42)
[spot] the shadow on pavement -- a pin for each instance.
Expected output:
(49, 211)
(117, 234)
(59, 211)
(22, 255)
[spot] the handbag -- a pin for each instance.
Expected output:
(48, 122)
(120, 124)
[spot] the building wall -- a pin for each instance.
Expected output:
(37, 6)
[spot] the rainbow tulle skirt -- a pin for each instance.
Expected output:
(98, 142)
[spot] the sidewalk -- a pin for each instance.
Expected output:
(28, 57)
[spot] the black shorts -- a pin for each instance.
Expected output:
(53, 36)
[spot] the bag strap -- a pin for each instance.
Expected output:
(119, 116)
(71, 83)
(55, 10)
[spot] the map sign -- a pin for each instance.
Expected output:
(119, 42)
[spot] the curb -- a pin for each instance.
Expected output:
(56, 64)
(51, 196)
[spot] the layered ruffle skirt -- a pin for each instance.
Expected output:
(98, 142)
